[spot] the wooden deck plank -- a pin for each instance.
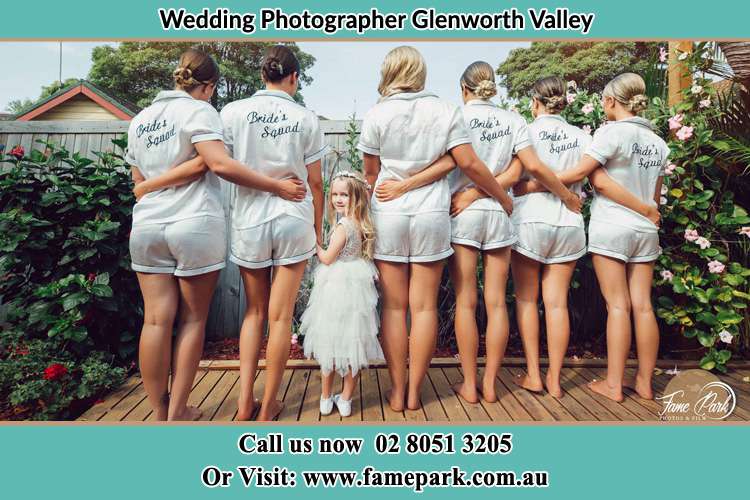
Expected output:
(508, 403)
(496, 410)
(99, 409)
(216, 397)
(450, 401)
(310, 411)
(126, 405)
(384, 383)
(356, 415)
(736, 380)
(552, 404)
(431, 406)
(295, 395)
(475, 411)
(223, 405)
(372, 409)
(532, 406)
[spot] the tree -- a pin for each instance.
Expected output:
(137, 71)
(17, 106)
(590, 64)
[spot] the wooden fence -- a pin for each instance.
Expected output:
(87, 137)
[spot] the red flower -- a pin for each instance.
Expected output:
(18, 152)
(21, 351)
(54, 371)
(91, 277)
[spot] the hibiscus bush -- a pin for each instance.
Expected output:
(701, 280)
(70, 303)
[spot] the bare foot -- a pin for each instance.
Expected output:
(553, 386)
(396, 403)
(190, 414)
(640, 386)
(601, 387)
(467, 393)
(525, 382)
(245, 411)
(270, 411)
(488, 390)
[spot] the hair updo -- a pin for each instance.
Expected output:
(550, 91)
(278, 63)
(628, 89)
(479, 79)
(195, 68)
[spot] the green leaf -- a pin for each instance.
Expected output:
(101, 290)
(706, 339)
(676, 192)
(701, 295)
(102, 279)
(73, 300)
(723, 356)
(742, 295)
(729, 318)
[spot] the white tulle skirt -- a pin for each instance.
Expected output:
(340, 323)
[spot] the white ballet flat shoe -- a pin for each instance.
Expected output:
(326, 405)
(344, 405)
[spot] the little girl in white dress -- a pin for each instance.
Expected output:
(340, 323)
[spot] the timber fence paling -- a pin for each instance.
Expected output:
(87, 137)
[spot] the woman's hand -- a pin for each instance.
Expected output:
(390, 189)
(523, 188)
(653, 215)
(140, 190)
(292, 189)
(573, 202)
(461, 200)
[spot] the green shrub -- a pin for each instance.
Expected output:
(65, 280)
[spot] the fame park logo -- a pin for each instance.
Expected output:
(696, 395)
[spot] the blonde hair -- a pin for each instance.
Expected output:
(550, 91)
(194, 69)
(358, 209)
(628, 89)
(479, 79)
(403, 70)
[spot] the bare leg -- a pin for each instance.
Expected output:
(640, 278)
(284, 288)
(349, 384)
(423, 292)
(555, 283)
(612, 279)
(496, 263)
(257, 283)
(326, 384)
(394, 286)
(160, 301)
(463, 270)
(195, 299)
(526, 285)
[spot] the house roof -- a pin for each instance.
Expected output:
(123, 111)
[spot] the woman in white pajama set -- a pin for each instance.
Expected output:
(178, 239)
(281, 139)
(481, 224)
(403, 134)
(623, 231)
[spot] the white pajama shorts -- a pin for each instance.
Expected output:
(550, 244)
(282, 241)
(412, 238)
(623, 243)
(187, 247)
(483, 229)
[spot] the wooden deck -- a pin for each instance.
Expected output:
(216, 388)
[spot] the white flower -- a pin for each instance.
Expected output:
(587, 108)
(715, 267)
(663, 200)
(683, 56)
(584, 195)
(570, 97)
(664, 189)
(667, 275)
(726, 337)
(572, 85)
(696, 89)
(691, 234)
(669, 169)
(703, 242)
(587, 129)
(704, 103)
